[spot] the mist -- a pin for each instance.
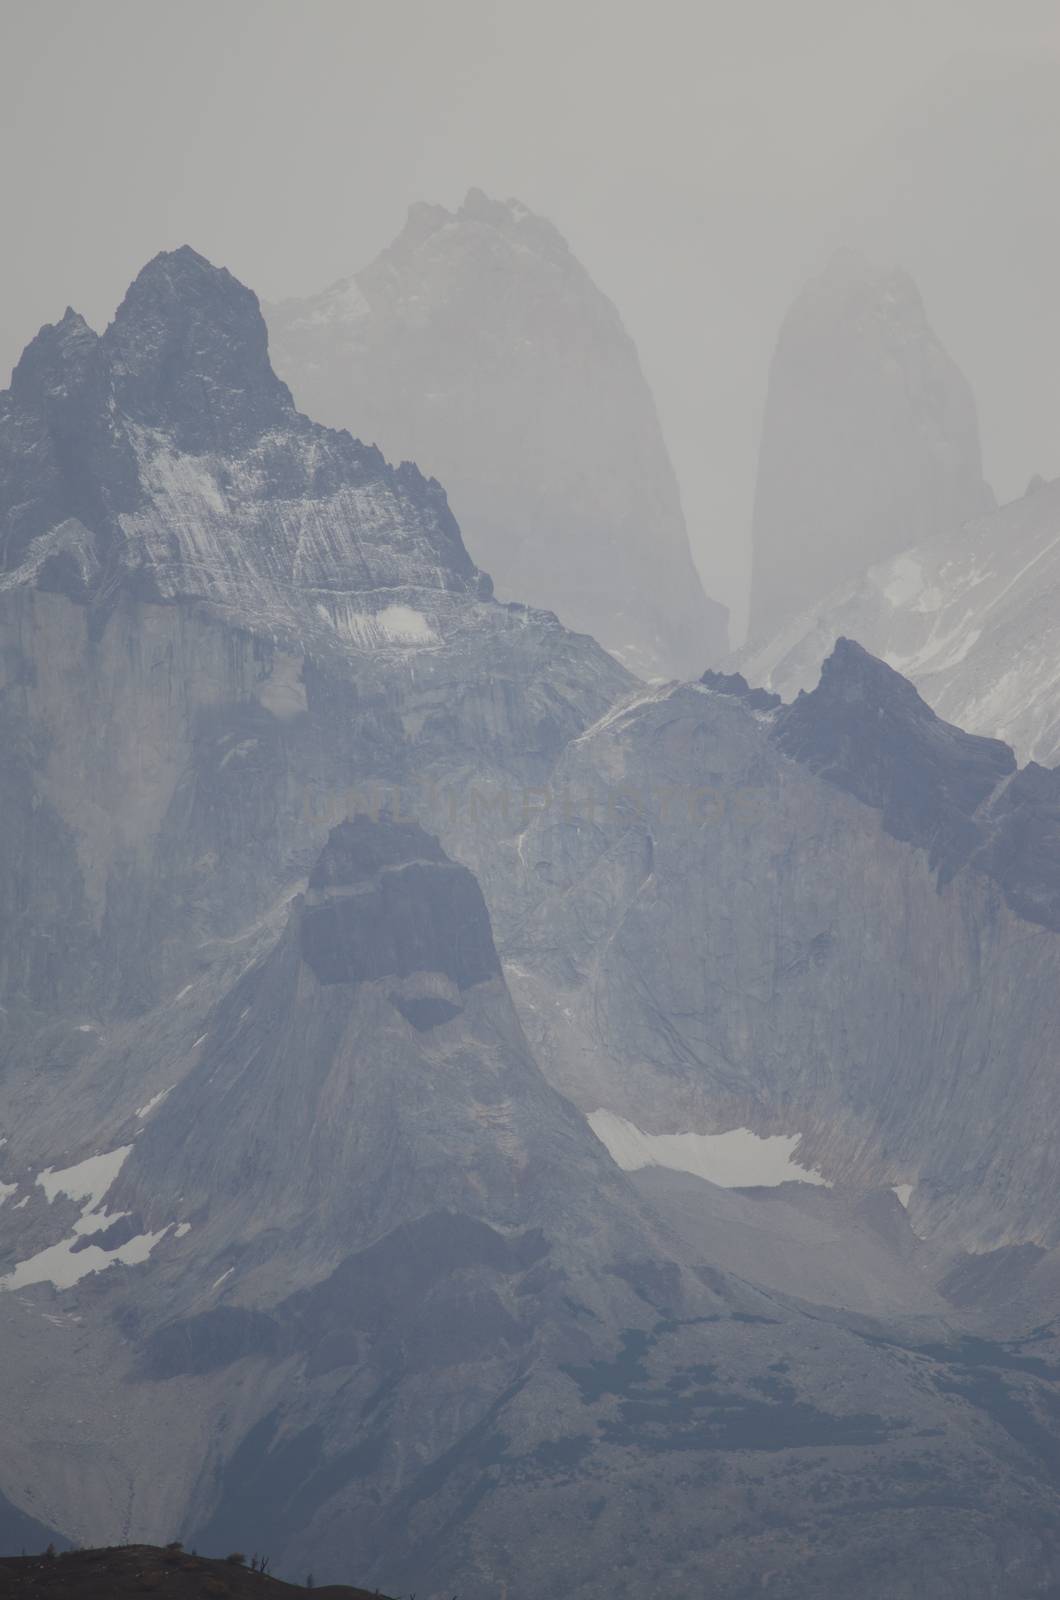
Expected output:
(530, 794)
(702, 160)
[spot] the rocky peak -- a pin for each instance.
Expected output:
(865, 729)
(479, 346)
(511, 219)
(166, 458)
(870, 440)
(54, 363)
(736, 686)
(188, 352)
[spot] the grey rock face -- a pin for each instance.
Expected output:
(869, 444)
(807, 922)
(417, 1321)
(478, 346)
(180, 610)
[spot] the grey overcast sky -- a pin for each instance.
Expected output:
(701, 158)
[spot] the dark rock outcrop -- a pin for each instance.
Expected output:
(865, 729)
(385, 901)
(736, 684)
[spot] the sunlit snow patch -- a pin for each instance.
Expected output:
(903, 1191)
(7, 1189)
(738, 1159)
(66, 1263)
(393, 625)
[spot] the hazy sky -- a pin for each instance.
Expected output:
(701, 158)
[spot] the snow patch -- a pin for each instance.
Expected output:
(905, 581)
(62, 1266)
(181, 1229)
(393, 625)
(7, 1189)
(67, 1262)
(904, 1191)
(156, 1100)
(738, 1159)
(88, 1180)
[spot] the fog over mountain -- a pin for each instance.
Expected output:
(702, 163)
(498, 1096)
(870, 440)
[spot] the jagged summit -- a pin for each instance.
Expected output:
(866, 729)
(870, 439)
(188, 350)
(55, 357)
(477, 344)
(165, 458)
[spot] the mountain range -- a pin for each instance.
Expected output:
(473, 1121)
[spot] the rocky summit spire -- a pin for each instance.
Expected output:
(188, 350)
(53, 364)
(870, 441)
(865, 729)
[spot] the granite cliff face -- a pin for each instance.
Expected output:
(831, 922)
(315, 1233)
(478, 346)
(869, 443)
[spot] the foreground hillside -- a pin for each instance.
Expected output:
(138, 1569)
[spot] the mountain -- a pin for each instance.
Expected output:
(829, 925)
(470, 1122)
(217, 620)
(478, 346)
(970, 618)
(869, 442)
(386, 1301)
